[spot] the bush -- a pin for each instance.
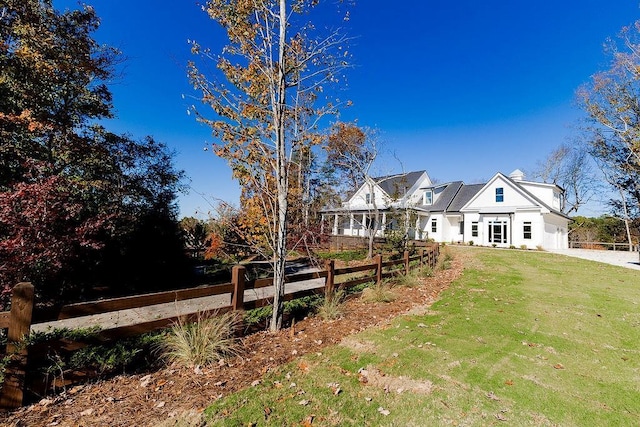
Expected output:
(410, 280)
(331, 306)
(470, 242)
(203, 342)
(379, 292)
(426, 271)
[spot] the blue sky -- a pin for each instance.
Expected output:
(462, 89)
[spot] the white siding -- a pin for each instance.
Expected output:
(512, 198)
(544, 192)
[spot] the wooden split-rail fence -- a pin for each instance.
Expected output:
(18, 380)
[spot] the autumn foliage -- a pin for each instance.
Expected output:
(74, 197)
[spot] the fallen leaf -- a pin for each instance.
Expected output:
(308, 421)
(492, 396)
(501, 417)
(76, 389)
(304, 402)
(255, 383)
(144, 381)
(509, 382)
(383, 411)
(303, 366)
(160, 404)
(335, 388)
(558, 366)
(86, 412)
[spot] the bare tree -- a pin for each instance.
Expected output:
(570, 167)
(352, 151)
(612, 102)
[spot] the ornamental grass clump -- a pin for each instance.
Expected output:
(410, 280)
(206, 341)
(379, 292)
(331, 307)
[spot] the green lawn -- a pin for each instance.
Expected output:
(523, 338)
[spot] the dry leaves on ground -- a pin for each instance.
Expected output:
(154, 397)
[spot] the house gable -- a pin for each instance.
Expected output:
(387, 190)
(502, 195)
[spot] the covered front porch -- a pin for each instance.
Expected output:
(360, 224)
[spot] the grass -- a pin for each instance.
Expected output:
(522, 338)
(331, 306)
(346, 255)
(378, 292)
(202, 342)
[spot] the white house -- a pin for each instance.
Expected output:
(506, 211)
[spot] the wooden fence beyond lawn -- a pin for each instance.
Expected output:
(18, 321)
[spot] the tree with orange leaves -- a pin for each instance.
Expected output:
(277, 67)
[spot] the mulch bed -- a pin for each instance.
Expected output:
(155, 397)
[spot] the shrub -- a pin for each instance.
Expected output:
(426, 271)
(470, 242)
(524, 247)
(444, 263)
(379, 292)
(203, 342)
(331, 306)
(512, 247)
(410, 280)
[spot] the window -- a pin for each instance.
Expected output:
(367, 198)
(370, 223)
(474, 229)
(527, 230)
(497, 231)
(434, 226)
(499, 194)
(461, 227)
(428, 197)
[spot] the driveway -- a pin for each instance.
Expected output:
(620, 258)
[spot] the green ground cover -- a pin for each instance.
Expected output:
(522, 338)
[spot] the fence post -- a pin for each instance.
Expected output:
(378, 269)
(406, 263)
(237, 279)
(421, 257)
(22, 298)
(329, 265)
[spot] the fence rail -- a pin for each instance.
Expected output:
(604, 246)
(18, 321)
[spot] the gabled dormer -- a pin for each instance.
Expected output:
(388, 190)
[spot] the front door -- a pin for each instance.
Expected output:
(498, 232)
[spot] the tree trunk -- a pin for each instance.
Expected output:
(280, 247)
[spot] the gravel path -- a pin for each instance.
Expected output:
(620, 258)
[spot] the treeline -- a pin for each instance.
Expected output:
(605, 229)
(80, 206)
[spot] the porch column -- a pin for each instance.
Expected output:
(383, 227)
(322, 224)
(335, 224)
(351, 224)
(418, 231)
(364, 225)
